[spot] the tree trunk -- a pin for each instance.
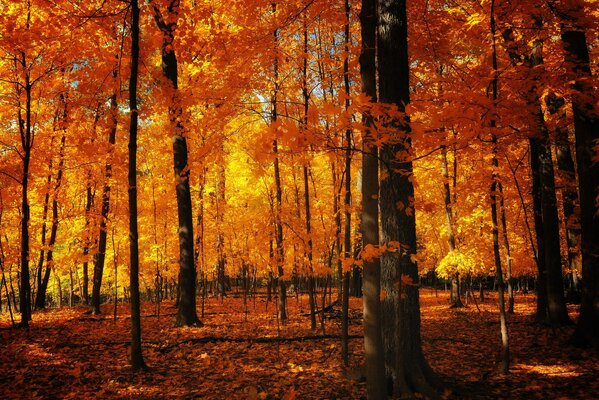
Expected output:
(26, 142)
(100, 256)
(347, 251)
(186, 310)
(586, 130)
(495, 187)
(567, 178)
(400, 308)
(137, 361)
(280, 251)
(455, 299)
(556, 302)
(40, 298)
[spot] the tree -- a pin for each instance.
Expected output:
(137, 361)
(186, 310)
(586, 132)
(373, 344)
(399, 273)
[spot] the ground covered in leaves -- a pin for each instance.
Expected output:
(244, 352)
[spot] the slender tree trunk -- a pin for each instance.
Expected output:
(505, 349)
(508, 254)
(186, 310)
(137, 361)
(26, 142)
(455, 299)
(280, 251)
(220, 220)
(306, 171)
(347, 251)
(40, 298)
(100, 257)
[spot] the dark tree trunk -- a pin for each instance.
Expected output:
(541, 284)
(220, 220)
(40, 298)
(137, 361)
(42, 256)
(26, 143)
(586, 130)
(567, 175)
(400, 308)
(494, 190)
(347, 251)
(186, 307)
(556, 302)
(100, 256)
(280, 251)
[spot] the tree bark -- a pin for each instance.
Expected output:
(400, 308)
(494, 190)
(40, 298)
(347, 251)
(27, 144)
(280, 251)
(376, 388)
(586, 131)
(100, 257)
(186, 306)
(137, 361)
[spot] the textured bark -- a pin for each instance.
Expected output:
(373, 344)
(137, 361)
(399, 273)
(586, 131)
(186, 304)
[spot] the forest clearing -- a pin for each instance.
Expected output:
(235, 355)
(256, 199)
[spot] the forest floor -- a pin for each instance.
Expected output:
(239, 355)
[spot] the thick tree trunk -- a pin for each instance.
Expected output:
(137, 361)
(400, 308)
(556, 302)
(373, 344)
(567, 179)
(586, 130)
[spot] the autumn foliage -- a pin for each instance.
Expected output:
(252, 120)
